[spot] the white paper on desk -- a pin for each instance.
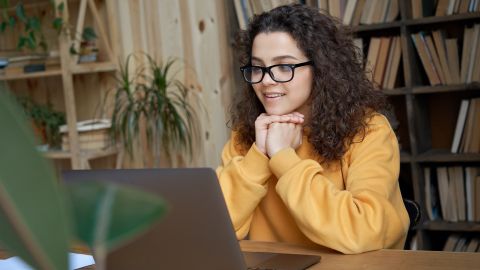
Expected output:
(75, 261)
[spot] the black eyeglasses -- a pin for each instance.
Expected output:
(280, 73)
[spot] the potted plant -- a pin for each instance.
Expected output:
(88, 48)
(38, 214)
(46, 121)
(153, 95)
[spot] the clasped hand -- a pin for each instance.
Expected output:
(276, 132)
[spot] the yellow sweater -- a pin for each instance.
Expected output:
(292, 198)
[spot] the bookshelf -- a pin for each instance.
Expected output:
(71, 77)
(426, 113)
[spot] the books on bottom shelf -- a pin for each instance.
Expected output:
(452, 193)
(459, 243)
(92, 135)
(466, 138)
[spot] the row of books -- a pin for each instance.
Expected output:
(440, 57)
(452, 193)
(355, 12)
(466, 138)
(383, 60)
(245, 9)
(423, 8)
(450, 7)
(458, 243)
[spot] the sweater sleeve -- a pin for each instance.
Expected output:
(362, 217)
(243, 180)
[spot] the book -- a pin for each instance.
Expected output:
(472, 245)
(442, 180)
(442, 7)
(241, 16)
(392, 12)
(472, 143)
(357, 14)
(452, 56)
(477, 198)
(425, 58)
(92, 134)
(451, 242)
(439, 41)
(461, 118)
(467, 46)
(382, 58)
(473, 52)
(417, 9)
(459, 182)
(349, 10)
(452, 205)
(372, 55)
(470, 128)
(434, 56)
(470, 174)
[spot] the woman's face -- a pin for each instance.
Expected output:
(282, 98)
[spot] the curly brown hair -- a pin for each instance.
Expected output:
(342, 98)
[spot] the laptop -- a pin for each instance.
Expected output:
(195, 233)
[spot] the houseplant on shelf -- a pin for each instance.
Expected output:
(45, 119)
(39, 226)
(153, 95)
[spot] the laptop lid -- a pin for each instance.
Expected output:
(196, 232)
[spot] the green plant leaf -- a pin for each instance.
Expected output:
(109, 214)
(33, 23)
(33, 220)
(20, 11)
(57, 24)
(89, 34)
(3, 26)
(22, 41)
(12, 22)
(61, 7)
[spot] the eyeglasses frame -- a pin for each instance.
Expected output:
(268, 69)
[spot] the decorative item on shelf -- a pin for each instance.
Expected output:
(156, 97)
(45, 120)
(88, 48)
(92, 135)
(14, 64)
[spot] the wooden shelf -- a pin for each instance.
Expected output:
(32, 75)
(443, 19)
(376, 26)
(93, 67)
(444, 155)
(445, 88)
(451, 226)
(397, 91)
(405, 157)
(86, 154)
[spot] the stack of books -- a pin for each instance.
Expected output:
(92, 135)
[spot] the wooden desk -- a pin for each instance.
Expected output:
(381, 259)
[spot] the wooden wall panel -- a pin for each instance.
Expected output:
(194, 32)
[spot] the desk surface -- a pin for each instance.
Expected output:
(381, 259)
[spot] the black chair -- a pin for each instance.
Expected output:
(414, 212)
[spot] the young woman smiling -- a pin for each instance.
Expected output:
(311, 159)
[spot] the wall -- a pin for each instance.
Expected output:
(194, 32)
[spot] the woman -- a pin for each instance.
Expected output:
(311, 159)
